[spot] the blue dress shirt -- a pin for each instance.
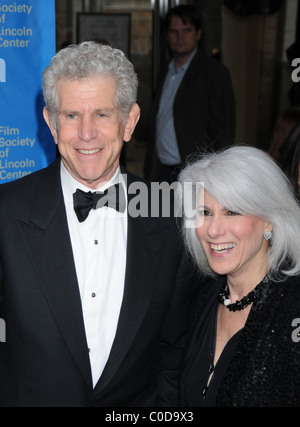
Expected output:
(166, 142)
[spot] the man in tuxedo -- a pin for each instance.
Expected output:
(194, 108)
(91, 295)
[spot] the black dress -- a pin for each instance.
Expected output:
(196, 390)
(260, 365)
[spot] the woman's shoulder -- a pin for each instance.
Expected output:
(285, 297)
(290, 285)
(207, 293)
(210, 286)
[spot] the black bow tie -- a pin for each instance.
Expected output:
(113, 197)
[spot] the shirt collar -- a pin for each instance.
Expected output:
(184, 66)
(70, 184)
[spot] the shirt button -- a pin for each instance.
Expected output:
(96, 242)
(93, 295)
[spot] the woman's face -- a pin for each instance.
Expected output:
(233, 243)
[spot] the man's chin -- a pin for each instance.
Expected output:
(182, 53)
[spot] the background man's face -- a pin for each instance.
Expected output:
(182, 38)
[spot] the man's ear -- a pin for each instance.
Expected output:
(132, 119)
(47, 120)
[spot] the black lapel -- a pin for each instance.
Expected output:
(193, 71)
(47, 239)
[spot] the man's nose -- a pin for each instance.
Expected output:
(180, 35)
(87, 130)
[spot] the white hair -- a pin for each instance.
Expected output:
(246, 180)
(85, 60)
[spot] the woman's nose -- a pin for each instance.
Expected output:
(216, 227)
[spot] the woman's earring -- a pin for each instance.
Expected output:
(268, 235)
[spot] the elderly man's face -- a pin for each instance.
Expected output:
(90, 131)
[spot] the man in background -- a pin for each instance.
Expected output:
(194, 107)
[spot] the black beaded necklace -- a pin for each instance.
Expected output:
(224, 299)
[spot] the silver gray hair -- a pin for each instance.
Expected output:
(85, 60)
(246, 180)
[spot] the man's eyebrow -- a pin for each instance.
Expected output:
(97, 110)
(67, 111)
(105, 110)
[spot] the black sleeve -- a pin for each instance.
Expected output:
(174, 332)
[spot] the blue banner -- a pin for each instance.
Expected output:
(27, 44)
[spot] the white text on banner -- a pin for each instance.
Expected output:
(27, 44)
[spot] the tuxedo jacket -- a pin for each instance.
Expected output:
(45, 361)
(203, 109)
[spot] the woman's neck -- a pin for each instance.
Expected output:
(240, 285)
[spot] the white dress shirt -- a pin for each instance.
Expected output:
(99, 250)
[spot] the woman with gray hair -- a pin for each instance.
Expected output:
(244, 346)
